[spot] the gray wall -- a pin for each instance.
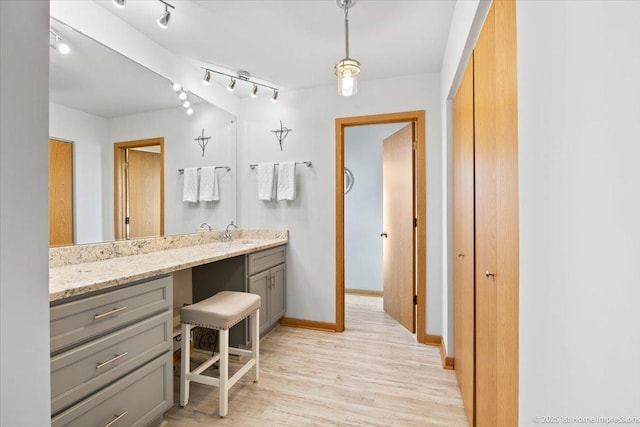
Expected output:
(24, 219)
(363, 219)
(311, 113)
(579, 158)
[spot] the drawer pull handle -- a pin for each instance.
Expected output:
(119, 356)
(109, 313)
(117, 417)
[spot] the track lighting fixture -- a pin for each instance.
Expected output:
(207, 77)
(119, 3)
(347, 69)
(164, 19)
(182, 95)
(58, 44)
(243, 76)
(232, 85)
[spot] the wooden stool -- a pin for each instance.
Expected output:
(221, 312)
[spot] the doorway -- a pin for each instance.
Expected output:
(139, 188)
(417, 301)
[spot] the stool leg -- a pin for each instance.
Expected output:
(255, 343)
(224, 372)
(185, 363)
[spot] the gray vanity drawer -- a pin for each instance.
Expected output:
(81, 320)
(264, 260)
(141, 396)
(77, 373)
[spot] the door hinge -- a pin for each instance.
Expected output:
(414, 145)
(126, 220)
(415, 222)
(415, 299)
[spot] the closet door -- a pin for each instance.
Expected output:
(463, 238)
(496, 174)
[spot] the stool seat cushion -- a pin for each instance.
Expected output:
(221, 311)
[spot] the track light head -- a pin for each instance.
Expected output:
(189, 111)
(119, 3)
(182, 95)
(232, 85)
(186, 104)
(176, 87)
(164, 19)
(58, 44)
(254, 92)
(274, 97)
(207, 78)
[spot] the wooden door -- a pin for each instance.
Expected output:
(463, 239)
(138, 188)
(144, 193)
(60, 193)
(398, 236)
(496, 201)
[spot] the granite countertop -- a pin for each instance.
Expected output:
(145, 259)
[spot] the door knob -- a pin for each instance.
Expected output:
(489, 274)
(460, 255)
(383, 234)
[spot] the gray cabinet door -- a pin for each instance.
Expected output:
(259, 285)
(277, 295)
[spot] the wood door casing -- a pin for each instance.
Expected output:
(398, 213)
(119, 193)
(144, 193)
(464, 239)
(60, 193)
(496, 195)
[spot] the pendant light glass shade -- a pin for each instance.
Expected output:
(347, 71)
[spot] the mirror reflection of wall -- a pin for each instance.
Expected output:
(98, 98)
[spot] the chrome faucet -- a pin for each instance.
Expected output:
(227, 233)
(204, 224)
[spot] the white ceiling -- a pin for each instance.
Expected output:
(295, 43)
(290, 44)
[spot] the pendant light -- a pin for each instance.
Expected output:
(347, 69)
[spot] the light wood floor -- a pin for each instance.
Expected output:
(373, 374)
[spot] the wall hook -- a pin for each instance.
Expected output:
(202, 141)
(281, 133)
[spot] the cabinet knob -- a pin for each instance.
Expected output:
(460, 255)
(383, 234)
(489, 274)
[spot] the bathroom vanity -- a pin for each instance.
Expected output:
(112, 322)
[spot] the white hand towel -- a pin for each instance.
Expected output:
(209, 191)
(266, 181)
(190, 189)
(287, 181)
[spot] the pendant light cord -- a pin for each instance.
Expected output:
(346, 29)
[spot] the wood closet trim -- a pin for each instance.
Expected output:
(341, 123)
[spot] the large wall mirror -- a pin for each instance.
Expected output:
(119, 136)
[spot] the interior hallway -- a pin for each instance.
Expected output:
(373, 374)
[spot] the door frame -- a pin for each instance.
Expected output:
(420, 206)
(118, 180)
